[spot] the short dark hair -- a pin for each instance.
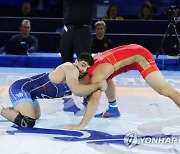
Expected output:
(86, 57)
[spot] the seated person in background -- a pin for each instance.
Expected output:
(146, 11)
(25, 11)
(30, 40)
(100, 42)
(112, 13)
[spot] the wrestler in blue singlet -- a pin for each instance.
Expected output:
(38, 86)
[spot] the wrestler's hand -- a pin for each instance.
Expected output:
(73, 126)
(103, 85)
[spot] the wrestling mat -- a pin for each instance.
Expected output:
(149, 123)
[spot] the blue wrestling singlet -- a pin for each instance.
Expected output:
(38, 86)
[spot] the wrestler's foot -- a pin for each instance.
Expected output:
(70, 106)
(82, 111)
(110, 113)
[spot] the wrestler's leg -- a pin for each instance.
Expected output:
(112, 110)
(110, 92)
(159, 84)
(37, 111)
(22, 110)
(9, 113)
(25, 110)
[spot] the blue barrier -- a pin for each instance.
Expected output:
(34, 60)
(52, 60)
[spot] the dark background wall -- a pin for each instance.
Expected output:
(130, 30)
(127, 8)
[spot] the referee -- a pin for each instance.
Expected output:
(76, 35)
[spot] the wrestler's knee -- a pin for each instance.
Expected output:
(38, 115)
(24, 121)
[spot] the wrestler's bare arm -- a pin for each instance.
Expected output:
(68, 73)
(91, 108)
(57, 75)
(102, 72)
(72, 80)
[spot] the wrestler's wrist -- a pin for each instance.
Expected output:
(81, 126)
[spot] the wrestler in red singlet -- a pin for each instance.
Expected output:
(125, 58)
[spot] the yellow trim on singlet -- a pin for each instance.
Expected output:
(128, 61)
(110, 57)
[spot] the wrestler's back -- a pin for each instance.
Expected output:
(39, 86)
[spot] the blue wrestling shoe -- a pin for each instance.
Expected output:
(69, 105)
(110, 113)
(82, 111)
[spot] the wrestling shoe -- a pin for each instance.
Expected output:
(110, 113)
(82, 111)
(69, 105)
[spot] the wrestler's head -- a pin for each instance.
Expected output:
(83, 62)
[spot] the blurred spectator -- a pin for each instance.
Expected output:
(100, 42)
(25, 11)
(112, 13)
(25, 36)
(146, 11)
